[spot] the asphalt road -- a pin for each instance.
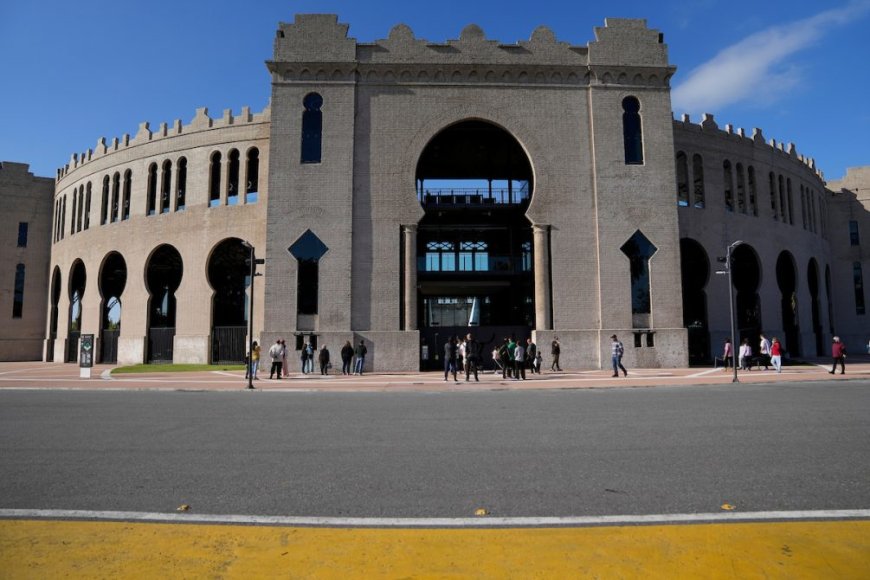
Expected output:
(789, 446)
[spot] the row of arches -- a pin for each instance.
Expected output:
(746, 271)
(228, 275)
(166, 190)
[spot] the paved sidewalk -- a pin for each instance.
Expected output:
(38, 375)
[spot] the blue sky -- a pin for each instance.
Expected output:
(75, 71)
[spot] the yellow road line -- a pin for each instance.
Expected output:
(51, 549)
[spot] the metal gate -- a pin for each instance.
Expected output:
(160, 341)
(109, 346)
(228, 344)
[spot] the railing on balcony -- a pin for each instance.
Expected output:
(472, 197)
(473, 264)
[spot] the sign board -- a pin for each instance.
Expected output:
(86, 355)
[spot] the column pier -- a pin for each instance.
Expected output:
(410, 276)
(543, 307)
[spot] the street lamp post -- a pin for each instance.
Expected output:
(731, 306)
(253, 261)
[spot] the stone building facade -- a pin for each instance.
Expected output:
(403, 191)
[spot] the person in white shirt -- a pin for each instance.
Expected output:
(519, 361)
(764, 351)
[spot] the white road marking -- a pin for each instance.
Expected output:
(485, 522)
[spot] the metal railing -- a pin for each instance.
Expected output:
(228, 344)
(160, 343)
(109, 346)
(473, 197)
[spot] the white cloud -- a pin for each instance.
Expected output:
(757, 67)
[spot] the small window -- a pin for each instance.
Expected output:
(233, 182)
(214, 185)
(854, 239)
(632, 131)
(252, 179)
(698, 177)
(180, 193)
(152, 189)
(22, 234)
(166, 188)
(312, 128)
(72, 221)
(772, 187)
(858, 280)
(727, 186)
(128, 184)
(790, 202)
(87, 223)
(741, 189)
(753, 190)
(18, 298)
(116, 197)
(682, 180)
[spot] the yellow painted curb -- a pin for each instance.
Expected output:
(53, 549)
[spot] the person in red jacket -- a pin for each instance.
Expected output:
(838, 351)
(776, 354)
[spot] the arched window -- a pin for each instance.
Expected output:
(781, 199)
(104, 206)
(252, 178)
(772, 187)
(728, 186)
(312, 128)
(152, 189)
(233, 181)
(166, 188)
(632, 131)
(214, 180)
(790, 202)
(682, 180)
(307, 250)
(87, 223)
(741, 189)
(698, 177)
(128, 185)
(639, 249)
(180, 197)
(81, 214)
(804, 210)
(753, 191)
(116, 194)
(72, 225)
(63, 217)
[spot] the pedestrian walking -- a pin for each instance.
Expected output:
(460, 354)
(838, 352)
(776, 354)
(276, 353)
(555, 351)
(727, 354)
(531, 354)
(472, 356)
(253, 362)
(450, 350)
(504, 358)
(519, 361)
(323, 359)
(346, 358)
(616, 352)
(745, 355)
(764, 351)
(360, 353)
(303, 357)
(284, 365)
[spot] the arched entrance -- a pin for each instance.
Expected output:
(695, 269)
(229, 277)
(162, 276)
(77, 280)
(474, 243)
(813, 284)
(746, 273)
(52, 316)
(786, 279)
(113, 279)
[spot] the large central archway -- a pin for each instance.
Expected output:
(474, 243)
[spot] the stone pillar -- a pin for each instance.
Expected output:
(410, 276)
(543, 307)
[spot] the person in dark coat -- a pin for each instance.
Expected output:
(323, 358)
(346, 358)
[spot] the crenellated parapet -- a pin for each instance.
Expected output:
(144, 135)
(315, 47)
(709, 126)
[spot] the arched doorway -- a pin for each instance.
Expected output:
(813, 284)
(695, 269)
(786, 279)
(52, 316)
(746, 275)
(162, 276)
(474, 243)
(77, 281)
(228, 275)
(113, 279)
